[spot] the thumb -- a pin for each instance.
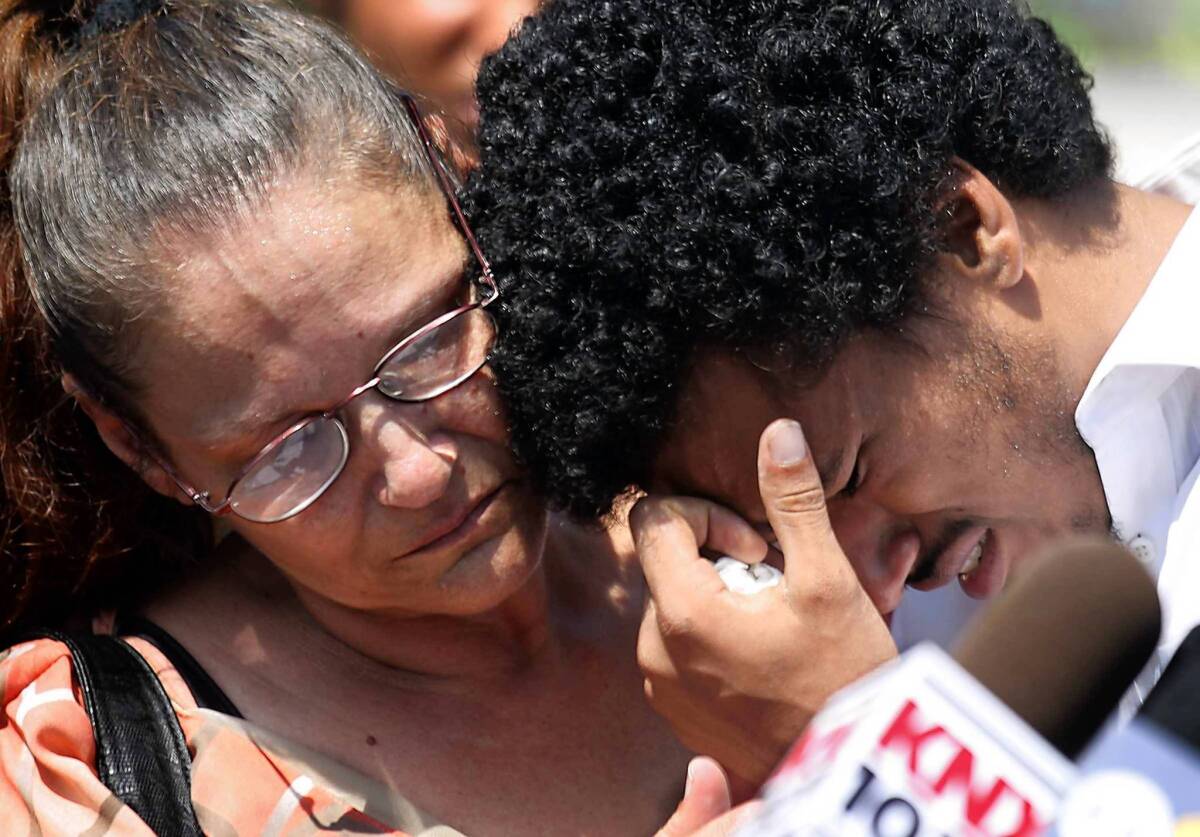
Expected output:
(794, 500)
(705, 797)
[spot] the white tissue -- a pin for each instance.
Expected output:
(747, 579)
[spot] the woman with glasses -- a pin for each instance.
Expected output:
(240, 300)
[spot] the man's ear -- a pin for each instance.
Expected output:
(120, 440)
(980, 232)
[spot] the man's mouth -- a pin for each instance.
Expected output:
(973, 559)
(985, 571)
(968, 553)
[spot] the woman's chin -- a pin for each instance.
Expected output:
(490, 574)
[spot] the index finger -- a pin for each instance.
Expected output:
(669, 532)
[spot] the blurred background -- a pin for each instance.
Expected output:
(1145, 56)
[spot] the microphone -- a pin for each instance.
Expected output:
(930, 746)
(1173, 703)
(1064, 643)
(1144, 778)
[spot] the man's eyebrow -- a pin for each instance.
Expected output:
(829, 469)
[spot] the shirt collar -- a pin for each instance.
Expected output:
(1157, 331)
(1120, 415)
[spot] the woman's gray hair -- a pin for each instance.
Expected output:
(161, 129)
(173, 128)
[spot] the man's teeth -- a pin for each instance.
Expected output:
(972, 563)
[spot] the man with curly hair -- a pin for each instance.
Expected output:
(890, 223)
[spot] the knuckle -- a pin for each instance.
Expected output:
(801, 500)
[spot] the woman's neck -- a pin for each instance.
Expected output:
(245, 604)
(438, 649)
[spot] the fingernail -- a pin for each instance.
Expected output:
(691, 772)
(786, 445)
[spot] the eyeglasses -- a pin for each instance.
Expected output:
(296, 467)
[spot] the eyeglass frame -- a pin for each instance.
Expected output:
(203, 499)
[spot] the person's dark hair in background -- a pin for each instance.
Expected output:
(660, 177)
(75, 530)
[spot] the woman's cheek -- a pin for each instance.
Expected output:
(480, 410)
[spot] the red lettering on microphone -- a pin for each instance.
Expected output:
(910, 736)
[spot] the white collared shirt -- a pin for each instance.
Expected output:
(1140, 413)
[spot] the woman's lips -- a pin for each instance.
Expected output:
(457, 527)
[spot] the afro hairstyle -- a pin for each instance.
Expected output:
(660, 176)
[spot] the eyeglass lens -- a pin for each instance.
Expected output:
(290, 475)
(439, 359)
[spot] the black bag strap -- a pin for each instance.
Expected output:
(141, 753)
(205, 691)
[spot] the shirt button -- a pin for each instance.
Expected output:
(1143, 549)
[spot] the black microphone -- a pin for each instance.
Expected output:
(1174, 702)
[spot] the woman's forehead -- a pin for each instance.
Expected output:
(281, 307)
(289, 248)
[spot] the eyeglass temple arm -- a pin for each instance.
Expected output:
(448, 188)
(200, 498)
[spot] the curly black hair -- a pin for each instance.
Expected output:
(662, 175)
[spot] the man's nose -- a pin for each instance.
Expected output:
(408, 456)
(882, 549)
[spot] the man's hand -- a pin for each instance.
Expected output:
(738, 676)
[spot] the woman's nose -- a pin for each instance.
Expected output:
(412, 463)
(882, 550)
